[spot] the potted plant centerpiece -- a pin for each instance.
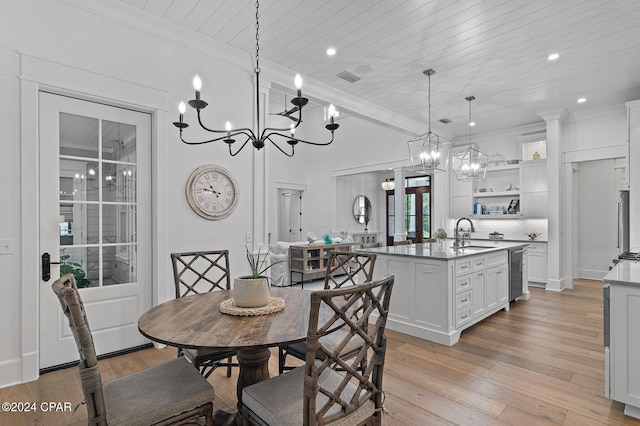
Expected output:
(254, 290)
(440, 236)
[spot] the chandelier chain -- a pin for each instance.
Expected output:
(257, 36)
(470, 120)
(429, 102)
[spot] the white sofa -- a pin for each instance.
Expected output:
(279, 272)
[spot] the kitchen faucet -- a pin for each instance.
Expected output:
(456, 242)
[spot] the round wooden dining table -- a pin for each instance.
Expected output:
(196, 322)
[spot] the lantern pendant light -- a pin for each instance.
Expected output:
(471, 164)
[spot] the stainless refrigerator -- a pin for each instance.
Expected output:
(623, 222)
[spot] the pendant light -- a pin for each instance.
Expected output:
(470, 164)
(429, 152)
(388, 185)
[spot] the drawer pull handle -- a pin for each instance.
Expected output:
(464, 300)
(464, 267)
(465, 316)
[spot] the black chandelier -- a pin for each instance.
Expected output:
(258, 138)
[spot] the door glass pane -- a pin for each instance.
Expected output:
(119, 264)
(78, 180)
(98, 210)
(118, 223)
(78, 135)
(119, 183)
(391, 222)
(75, 261)
(426, 216)
(410, 219)
(118, 141)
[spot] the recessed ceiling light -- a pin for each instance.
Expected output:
(472, 123)
(553, 56)
(331, 51)
(582, 100)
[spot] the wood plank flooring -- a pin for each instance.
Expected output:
(541, 363)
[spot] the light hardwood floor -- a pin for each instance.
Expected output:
(540, 363)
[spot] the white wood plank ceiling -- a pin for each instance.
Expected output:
(495, 50)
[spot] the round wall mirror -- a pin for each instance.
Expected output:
(362, 209)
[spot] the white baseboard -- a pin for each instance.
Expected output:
(591, 274)
(10, 373)
(555, 285)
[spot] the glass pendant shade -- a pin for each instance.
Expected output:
(429, 153)
(388, 185)
(470, 164)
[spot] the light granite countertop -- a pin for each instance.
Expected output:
(625, 272)
(430, 250)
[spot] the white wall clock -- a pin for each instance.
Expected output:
(212, 192)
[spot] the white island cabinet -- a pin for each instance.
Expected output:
(438, 294)
(622, 357)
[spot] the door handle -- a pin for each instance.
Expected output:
(46, 266)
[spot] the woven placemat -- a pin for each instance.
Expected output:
(228, 306)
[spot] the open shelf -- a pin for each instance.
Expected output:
(496, 194)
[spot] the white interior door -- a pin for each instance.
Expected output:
(95, 219)
(289, 215)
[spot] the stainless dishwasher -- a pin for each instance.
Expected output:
(516, 272)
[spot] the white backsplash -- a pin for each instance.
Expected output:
(516, 229)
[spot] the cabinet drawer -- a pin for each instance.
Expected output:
(463, 300)
(478, 263)
(537, 248)
(463, 283)
(463, 317)
(463, 266)
(495, 259)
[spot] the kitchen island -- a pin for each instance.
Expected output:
(440, 292)
(622, 335)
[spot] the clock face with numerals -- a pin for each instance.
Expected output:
(212, 192)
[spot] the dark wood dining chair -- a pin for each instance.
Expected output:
(319, 393)
(344, 268)
(169, 393)
(201, 272)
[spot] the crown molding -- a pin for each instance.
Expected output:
(554, 115)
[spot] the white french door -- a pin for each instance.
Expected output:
(95, 219)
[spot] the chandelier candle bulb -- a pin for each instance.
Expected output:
(332, 113)
(181, 109)
(197, 85)
(297, 81)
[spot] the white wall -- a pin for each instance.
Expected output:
(10, 217)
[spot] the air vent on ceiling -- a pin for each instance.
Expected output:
(347, 76)
(444, 121)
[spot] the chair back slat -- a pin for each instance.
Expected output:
(200, 272)
(331, 401)
(67, 292)
(348, 268)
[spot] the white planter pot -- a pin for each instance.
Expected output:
(251, 293)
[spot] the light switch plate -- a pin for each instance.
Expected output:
(6, 246)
